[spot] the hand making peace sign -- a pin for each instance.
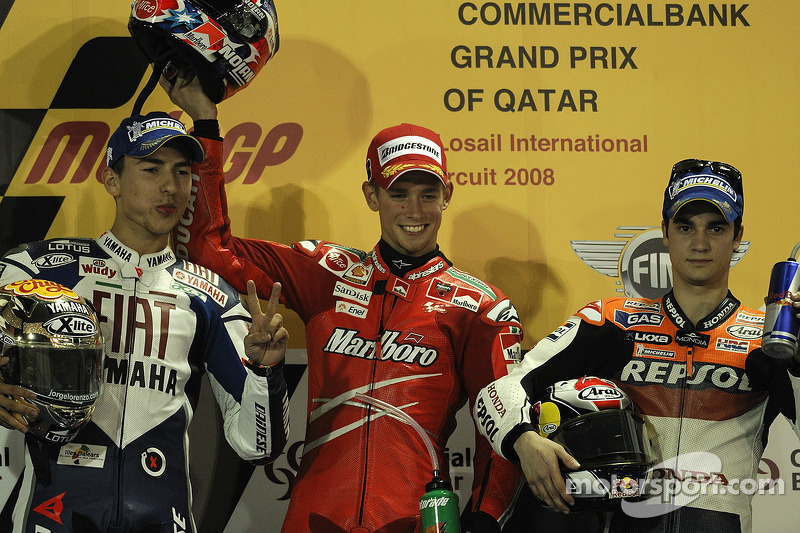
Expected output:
(266, 343)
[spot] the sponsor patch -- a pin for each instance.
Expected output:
(641, 351)
(465, 297)
(428, 271)
(431, 307)
(206, 36)
(733, 345)
(400, 287)
(97, 268)
(358, 273)
(68, 246)
(561, 331)
(646, 337)
(53, 260)
(7, 339)
(47, 290)
(747, 318)
(335, 261)
(351, 309)
(406, 145)
(640, 305)
(625, 487)
(200, 284)
(510, 344)
(153, 462)
(747, 332)
(629, 320)
(503, 311)
(85, 455)
(70, 325)
(351, 293)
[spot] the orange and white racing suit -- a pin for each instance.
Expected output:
(708, 392)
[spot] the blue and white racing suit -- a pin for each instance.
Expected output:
(166, 321)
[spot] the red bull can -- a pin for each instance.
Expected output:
(781, 326)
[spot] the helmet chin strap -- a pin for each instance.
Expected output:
(147, 90)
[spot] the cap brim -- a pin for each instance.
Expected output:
(725, 208)
(194, 145)
(422, 167)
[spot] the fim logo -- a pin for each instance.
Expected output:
(638, 258)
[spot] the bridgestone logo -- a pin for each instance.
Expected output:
(411, 144)
(347, 342)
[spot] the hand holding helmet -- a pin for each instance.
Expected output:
(589, 421)
(14, 405)
(52, 340)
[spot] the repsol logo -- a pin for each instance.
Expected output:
(485, 420)
(347, 342)
(673, 374)
(248, 151)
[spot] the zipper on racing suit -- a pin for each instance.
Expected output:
(379, 289)
(128, 351)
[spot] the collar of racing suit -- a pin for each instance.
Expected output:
(725, 309)
(131, 264)
(401, 264)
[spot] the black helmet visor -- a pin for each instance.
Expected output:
(605, 438)
(240, 18)
(70, 376)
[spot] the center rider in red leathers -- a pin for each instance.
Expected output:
(399, 323)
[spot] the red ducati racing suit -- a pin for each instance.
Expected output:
(708, 392)
(425, 342)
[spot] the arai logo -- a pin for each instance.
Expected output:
(599, 392)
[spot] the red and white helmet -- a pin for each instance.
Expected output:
(597, 424)
(225, 42)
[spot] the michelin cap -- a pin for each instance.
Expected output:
(141, 135)
(400, 149)
(703, 184)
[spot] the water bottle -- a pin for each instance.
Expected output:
(438, 508)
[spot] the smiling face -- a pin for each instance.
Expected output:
(701, 243)
(410, 211)
(151, 195)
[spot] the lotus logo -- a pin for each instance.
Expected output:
(638, 258)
